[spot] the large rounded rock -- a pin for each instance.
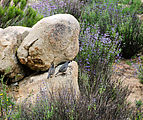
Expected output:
(52, 39)
(10, 39)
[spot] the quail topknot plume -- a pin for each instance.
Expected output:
(51, 71)
(63, 68)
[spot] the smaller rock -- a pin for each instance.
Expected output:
(140, 17)
(30, 87)
(1, 29)
(10, 39)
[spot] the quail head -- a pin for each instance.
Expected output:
(63, 68)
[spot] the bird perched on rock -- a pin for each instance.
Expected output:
(51, 71)
(63, 68)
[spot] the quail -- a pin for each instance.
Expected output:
(63, 68)
(51, 71)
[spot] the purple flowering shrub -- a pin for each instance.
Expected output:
(97, 52)
(51, 7)
(100, 105)
(108, 15)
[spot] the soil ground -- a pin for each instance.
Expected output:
(127, 70)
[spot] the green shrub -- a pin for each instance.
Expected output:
(132, 34)
(140, 73)
(133, 5)
(139, 111)
(17, 13)
(6, 103)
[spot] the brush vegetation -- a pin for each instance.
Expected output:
(109, 31)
